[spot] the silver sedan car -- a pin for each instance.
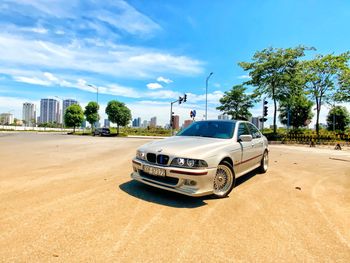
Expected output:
(203, 159)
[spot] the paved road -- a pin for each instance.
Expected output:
(70, 199)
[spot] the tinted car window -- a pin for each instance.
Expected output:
(254, 131)
(243, 130)
(213, 129)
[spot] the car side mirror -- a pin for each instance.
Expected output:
(245, 138)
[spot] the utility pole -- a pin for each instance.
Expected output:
(180, 99)
(92, 86)
(206, 95)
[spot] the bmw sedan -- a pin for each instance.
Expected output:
(203, 159)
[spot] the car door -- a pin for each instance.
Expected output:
(257, 143)
(246, 147)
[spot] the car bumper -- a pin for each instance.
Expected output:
(192, 182)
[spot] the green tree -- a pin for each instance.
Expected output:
(343, 93)
(73, 116)
(339, 117)
(91, 113)
(236, 103)
(321, 77)
(300, 110)
(118, 113)
(272, 70)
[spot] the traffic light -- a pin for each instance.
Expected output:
(185, 97)
(172, 121)
(180, 100)
(265, 108)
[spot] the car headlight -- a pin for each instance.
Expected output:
(140, 155)
(189, 163)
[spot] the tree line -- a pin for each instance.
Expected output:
(295, 84)
(116, 111)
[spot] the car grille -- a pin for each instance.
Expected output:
(162, 179)
(162, 159)
(151, 157)
(159, 159)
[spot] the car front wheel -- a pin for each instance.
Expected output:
(224, 180)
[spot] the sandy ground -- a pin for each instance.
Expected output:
(70, 199)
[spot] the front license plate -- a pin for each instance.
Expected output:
(154, 170)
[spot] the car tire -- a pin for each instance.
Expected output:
(224, 180)
(264, 163)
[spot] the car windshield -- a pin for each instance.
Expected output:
(212, 129)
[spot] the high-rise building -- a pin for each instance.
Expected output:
(49, 111)
(153, 122)
(223, 117)
(28, 114)
(66, 104)
(187, 123)
(83, 125)
(106, 123)
(136, 122)
(256, 122)
(145, 124)
(176, 124)
(6, 118)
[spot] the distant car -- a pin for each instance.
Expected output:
(203, 159)
(102, 132)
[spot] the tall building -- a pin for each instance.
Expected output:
(176, 124)
(223, 117)
(256, 122)
(107, 123)
(28, 114)
(153, 122)
(136, 122)
(49, 111)
(6, 118)
(145, 124)
(66, 104)
(83, 125)
(187, 123)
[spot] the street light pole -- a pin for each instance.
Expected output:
(206, 95)
(92, 86)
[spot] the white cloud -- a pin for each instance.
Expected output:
(244, 77)
(119, 60)
(165, 80)
(154, 86)
(116, 14)
(33, 81)
(213, 97)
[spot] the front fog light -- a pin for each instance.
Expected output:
(181, 161)
(190, 162)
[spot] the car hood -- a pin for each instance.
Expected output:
(186, 146)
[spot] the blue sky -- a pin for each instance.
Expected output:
(147, 53)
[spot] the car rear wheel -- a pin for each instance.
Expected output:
(224, 180)
(264, 164)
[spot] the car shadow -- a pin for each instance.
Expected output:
(160, 196)
(244, 178)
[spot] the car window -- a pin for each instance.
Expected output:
(243, 130)
(254, 131)
(212, 129)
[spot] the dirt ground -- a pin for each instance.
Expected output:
(70, 199)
